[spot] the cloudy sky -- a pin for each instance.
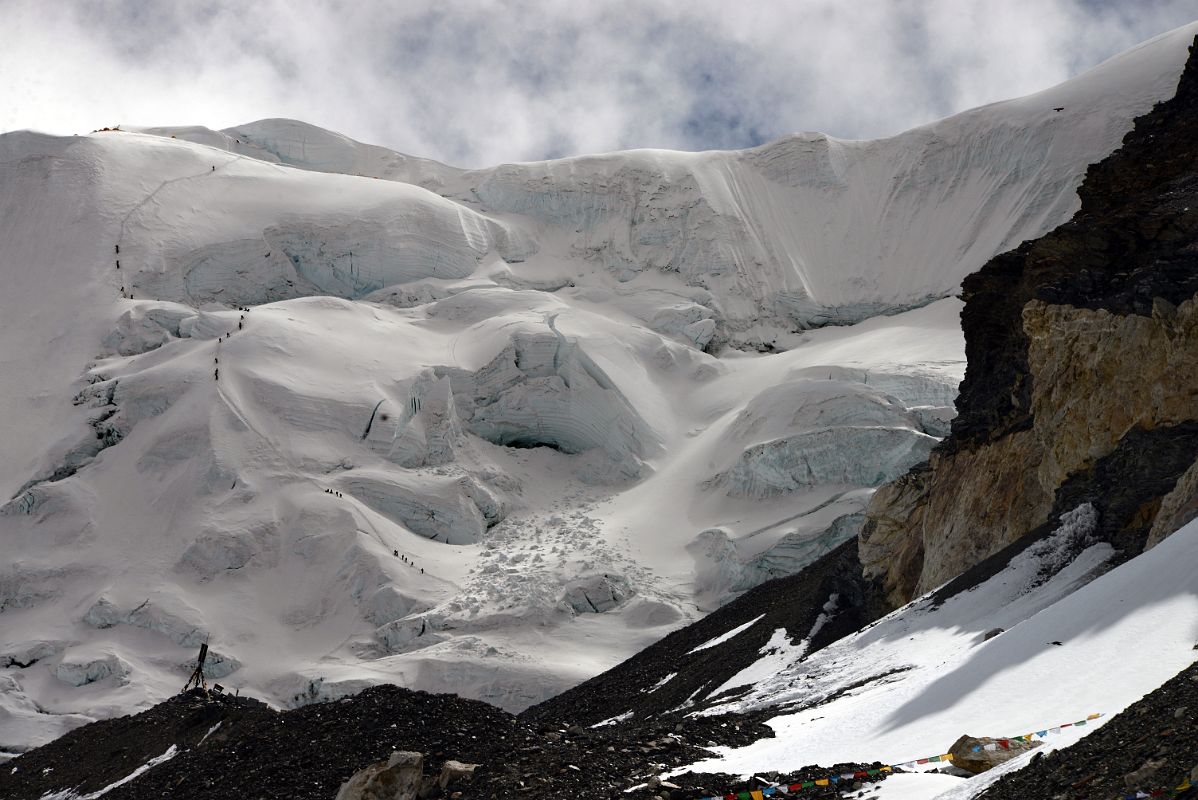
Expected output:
(477, 82)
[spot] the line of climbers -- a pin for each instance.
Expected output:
(220, 340)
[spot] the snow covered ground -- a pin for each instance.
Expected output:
(911, 684)
(485, 432)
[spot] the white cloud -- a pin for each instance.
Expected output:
(479, 82)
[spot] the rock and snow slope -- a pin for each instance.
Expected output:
(1080, 641)
(470, 435)
(1052, 638)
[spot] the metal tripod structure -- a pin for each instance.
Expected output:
(197, 678)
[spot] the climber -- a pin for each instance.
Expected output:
(118, 263)
(396, 553)
(240, 325)
(214, 168)
(216, 375)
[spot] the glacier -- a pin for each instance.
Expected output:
(352, 416)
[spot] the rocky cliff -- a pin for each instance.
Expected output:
(1082, 383)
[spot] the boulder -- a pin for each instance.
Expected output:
(1000, 750)
(455, 772)
(1144, 775)
(397, 778)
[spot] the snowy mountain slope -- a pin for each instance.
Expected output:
(447, 446)
(298, 144)
(774, 234)
(170, 504)
(912, 683)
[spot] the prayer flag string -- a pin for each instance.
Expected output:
(1004, 744)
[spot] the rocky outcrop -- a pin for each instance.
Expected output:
(1082, 383)
(977, 754)
(1177, 508)
(397, 778)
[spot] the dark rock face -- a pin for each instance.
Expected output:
(1082, 352)
(1125, 509)
(1134, 239)
(1151, 746)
